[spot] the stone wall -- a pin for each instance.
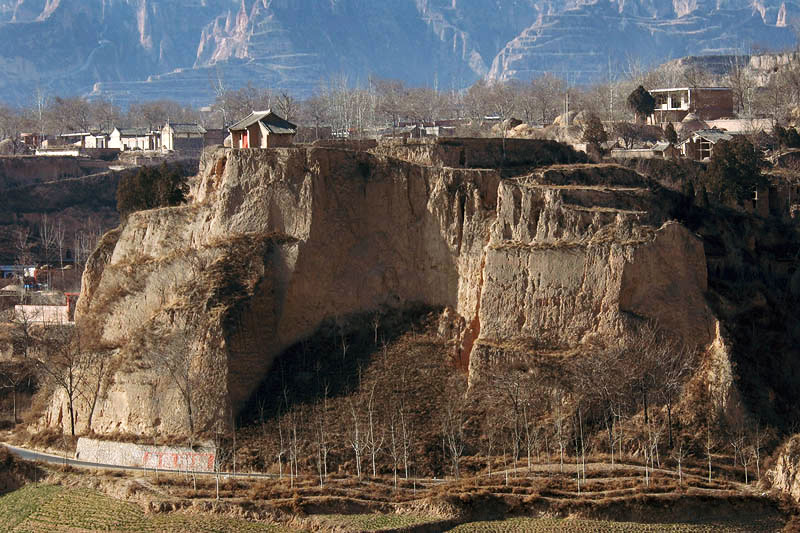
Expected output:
(183, 459)
(42, 314)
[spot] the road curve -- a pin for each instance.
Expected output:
(32, 455)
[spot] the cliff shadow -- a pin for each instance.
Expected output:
(334, 357)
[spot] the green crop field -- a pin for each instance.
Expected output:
(41, 508)
(533, 525)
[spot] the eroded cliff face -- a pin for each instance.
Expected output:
(577, 252)
(273, 244)
(190, 305)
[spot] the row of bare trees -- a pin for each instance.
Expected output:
(52, 241)
(354, 107)
(616, 402)
(613, 401)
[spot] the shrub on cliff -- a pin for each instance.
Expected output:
(151, 187)
(734, 171)
(594, 133)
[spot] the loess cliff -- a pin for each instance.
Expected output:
(189, 306)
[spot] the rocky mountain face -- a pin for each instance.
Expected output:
(131, 50)
(276, 243)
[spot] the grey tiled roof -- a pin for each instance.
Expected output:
(133, 132)
(272, 122)
(187, 128)
(713, 136)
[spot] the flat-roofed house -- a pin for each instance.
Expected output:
(183, 137)
(95, 138)
(262, 129)
(134, 139)
(707, 103)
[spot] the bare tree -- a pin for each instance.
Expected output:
(316, 111)
(406, 439)
(170, 351)
(757, 443)
(85, 241)
(59, 233)
(709, 447)
(559, 423)
(13, 374)
(97, 374)
(356, 437)
(511, 384)
(546, 96)
(490, 437)
(322, 438)
(679, 454)
(47, 239)
(395, 450)
(22, 245)
(531, 432)
(71, 114)
(287, 105)
(60, 355)
(452, 418)
(375, 436)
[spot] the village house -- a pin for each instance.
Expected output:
(262, 129)
(707, 103)
(183, 137)
(134, 139)
(90, 139)
(31, 139)
(700, 144)
(662, 150)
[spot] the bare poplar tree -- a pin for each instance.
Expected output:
(375, 436)
(452, 419)
(559, 423)
(322, 438)
(490, 435)
(395, 450)
(406, 439)
(59, 234)
(47, 238)
(679, 454)
(356, 437)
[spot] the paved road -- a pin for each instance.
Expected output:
(31, 455)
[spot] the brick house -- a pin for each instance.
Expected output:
(262, 129)
(707, 103)
(183, 137)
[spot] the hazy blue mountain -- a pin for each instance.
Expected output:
(132, 50)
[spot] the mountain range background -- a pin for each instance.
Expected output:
(137, 50)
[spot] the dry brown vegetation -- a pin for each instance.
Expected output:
(615, 406)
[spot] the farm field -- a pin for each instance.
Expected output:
(533, 525)
(40, 508)
(376, 521)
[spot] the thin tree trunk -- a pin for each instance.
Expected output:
(669, 422)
